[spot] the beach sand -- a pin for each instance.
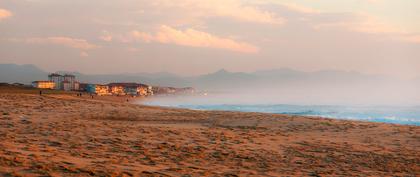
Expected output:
(65, 135)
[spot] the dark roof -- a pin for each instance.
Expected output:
(41, 81)
(127, 84)
(69, 75)
(65, 75)
(53, 74)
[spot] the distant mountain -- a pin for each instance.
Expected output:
(276, 72)
(12, 73)
(223, 79)
(153, 75)
(286, 74)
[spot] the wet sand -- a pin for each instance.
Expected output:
(65, 135)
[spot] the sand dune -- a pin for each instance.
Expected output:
(65, 135)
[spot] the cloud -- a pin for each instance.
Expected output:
(84, 54)
(414, 38)
(300, 9)
(63, 41)
(289, 6)
(364, 23)
(5, 14)
(193, 38)
(106, 36)
(234, 9)
(80, 44)
(373, 1)
(355, 22)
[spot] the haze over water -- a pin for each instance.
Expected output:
(399, 114)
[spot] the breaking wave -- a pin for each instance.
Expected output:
(387, 114)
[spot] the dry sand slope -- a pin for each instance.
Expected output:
(63, 135)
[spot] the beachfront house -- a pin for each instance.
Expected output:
(97, 89)
(102, 90)
(130, 89)
(164, 90)
(171, 90)
(90, 88)
(43, 84)
(116, 89)
(144, 90)
(83, 87)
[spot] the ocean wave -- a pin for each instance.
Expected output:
(386, 114)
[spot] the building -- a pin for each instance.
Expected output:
(83, 87)
(43, 84)
(102, 90)
(90, 88)
(133, 89)
(130, 89)
(172, 90)
(186, 90)
(76, 86)
(144, 90)
(57, 79)
(164, 90)
(66, 86)
(65, 82)
(97, 89)
(116, 89)
(71, 79)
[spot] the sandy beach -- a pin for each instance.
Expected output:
(66, 135)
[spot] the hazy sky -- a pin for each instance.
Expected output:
(191, 37)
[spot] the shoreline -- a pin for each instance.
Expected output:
(65, 135)
(403, 121)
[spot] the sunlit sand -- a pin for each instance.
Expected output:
(65, 135)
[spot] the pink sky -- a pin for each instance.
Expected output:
(191, 37)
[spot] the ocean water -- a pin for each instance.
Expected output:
(409, 115)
